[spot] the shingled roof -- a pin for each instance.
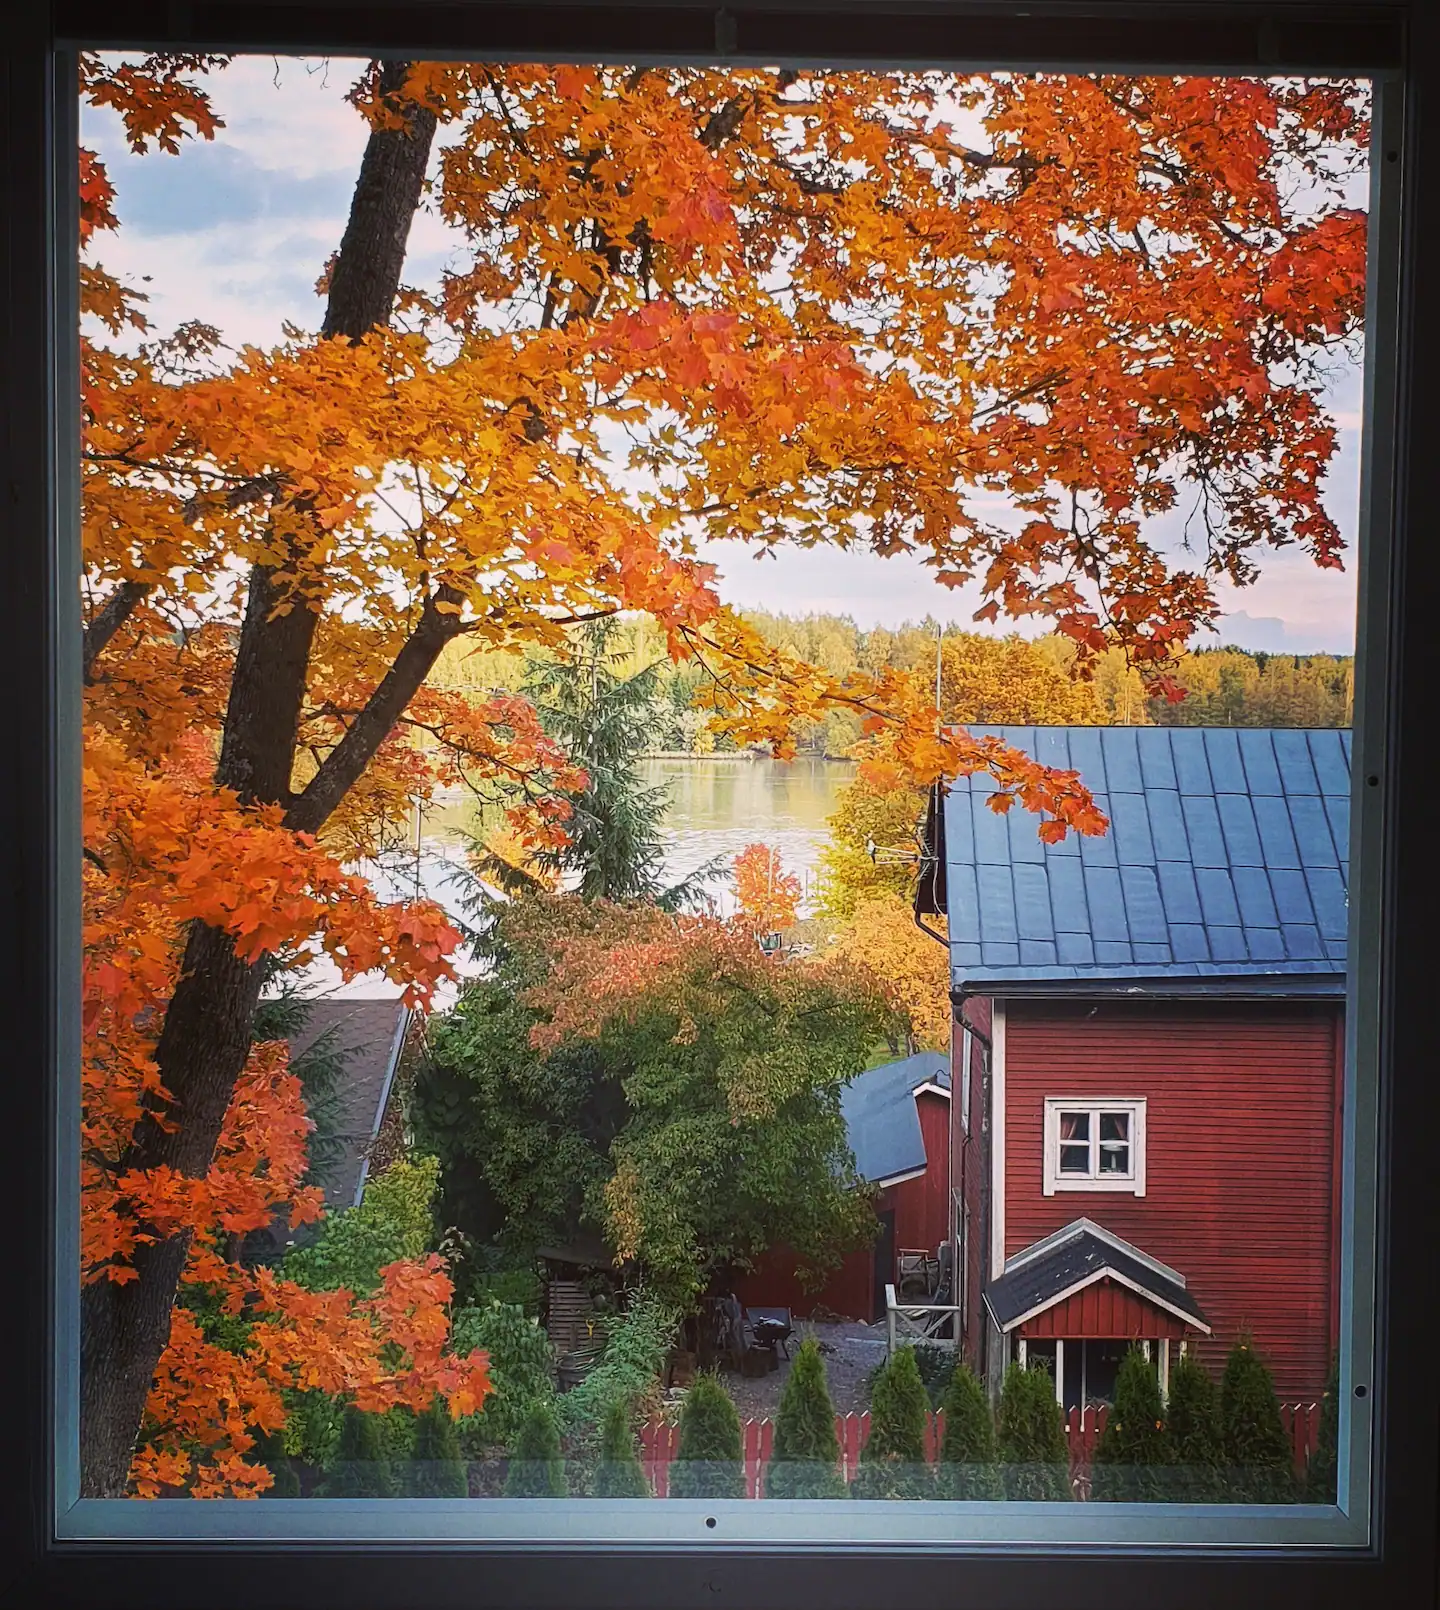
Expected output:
(1226, 860)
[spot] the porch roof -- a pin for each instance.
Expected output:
(1080, 1255)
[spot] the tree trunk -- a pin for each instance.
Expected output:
(207, 1033)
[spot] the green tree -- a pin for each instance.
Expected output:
(968, 1454)
(537, 1469)
(1133, 1455)
(892, 1462)
(605, 718)
(436, 1469)
(1322, 1468)
(619, 1473)
(1196, 1439)
(392, 1221)
(1034, 1453)
(1259, 1458)
(708, 1462)
(359, 1468)
(804, 1461)
(521, 1360)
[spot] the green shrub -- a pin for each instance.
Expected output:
(521, 1365)
(435, 1469)
(637, 1344)
(892, 1462)
(360, 1468)
(968, 1468)
(1196, 1442)
(619, 1473)
(269, 1450)
(707, 1463)
(1259, 1460)
(536, 1468)
(1133, 1456)
(804, 1461)
(936, 1365)
(392, 1221)
(1034, 1453)
(1321, 1469)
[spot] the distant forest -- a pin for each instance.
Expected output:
(985, 679)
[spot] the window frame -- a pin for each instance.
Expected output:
(1131, 1183)
(1394, 1563)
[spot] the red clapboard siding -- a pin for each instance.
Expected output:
(1239, 1171)
(1105, 1310)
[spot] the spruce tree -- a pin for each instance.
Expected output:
(436, 1469)
(619, 1473)
(892, 1462)
(804, 1462)
(1034, 1452)
(1197, 1444)
(1322, 1468)
(1260, 1462)
(1133, 1454)
(968, 1468)
(536, 1468)
(359, 1468)
(708, 1463)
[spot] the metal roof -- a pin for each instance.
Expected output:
(1226, 860)
(881, 1122)
(1078, 1256)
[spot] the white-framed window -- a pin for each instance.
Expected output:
(1095, 1144)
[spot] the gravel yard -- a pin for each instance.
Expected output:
(851, 1352)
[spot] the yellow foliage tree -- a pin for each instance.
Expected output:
(911, 971)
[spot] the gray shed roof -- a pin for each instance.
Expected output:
(368, 1033)
(1226, 859)
(880, 1117)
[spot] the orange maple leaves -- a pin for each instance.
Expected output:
(767, 894)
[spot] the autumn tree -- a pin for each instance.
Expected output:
(619, 238)
(765, 892)
(911, 971)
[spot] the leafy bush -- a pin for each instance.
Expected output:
(707, 1463)
(968, 1469)
(520, 1288)
(1196, 1441)
(269, 1450)
(1133, 1453)
(1260, 1463)
(360, 1468)
(536, 1468)
(521, 1362)
(637, 1343)
(392, 1221)
(1034, 1452)
(805, 1458)
(892, 1462)
(435, 1469)
(619, 1473)
(1322, 1468)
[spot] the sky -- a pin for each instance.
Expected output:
(235, 231)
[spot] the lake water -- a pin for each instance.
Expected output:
(719, 804)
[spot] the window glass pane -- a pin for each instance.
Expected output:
(513, 1064)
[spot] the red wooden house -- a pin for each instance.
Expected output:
(1148, 1047)
(897, 1118)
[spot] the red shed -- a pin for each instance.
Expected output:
(1149, 1049)
(897, 1117)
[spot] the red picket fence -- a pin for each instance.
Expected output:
(659, 1444)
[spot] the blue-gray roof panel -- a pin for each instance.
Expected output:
(1225, 857)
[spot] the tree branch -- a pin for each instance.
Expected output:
(439, 622)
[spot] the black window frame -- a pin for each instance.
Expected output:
(1398, 1570)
